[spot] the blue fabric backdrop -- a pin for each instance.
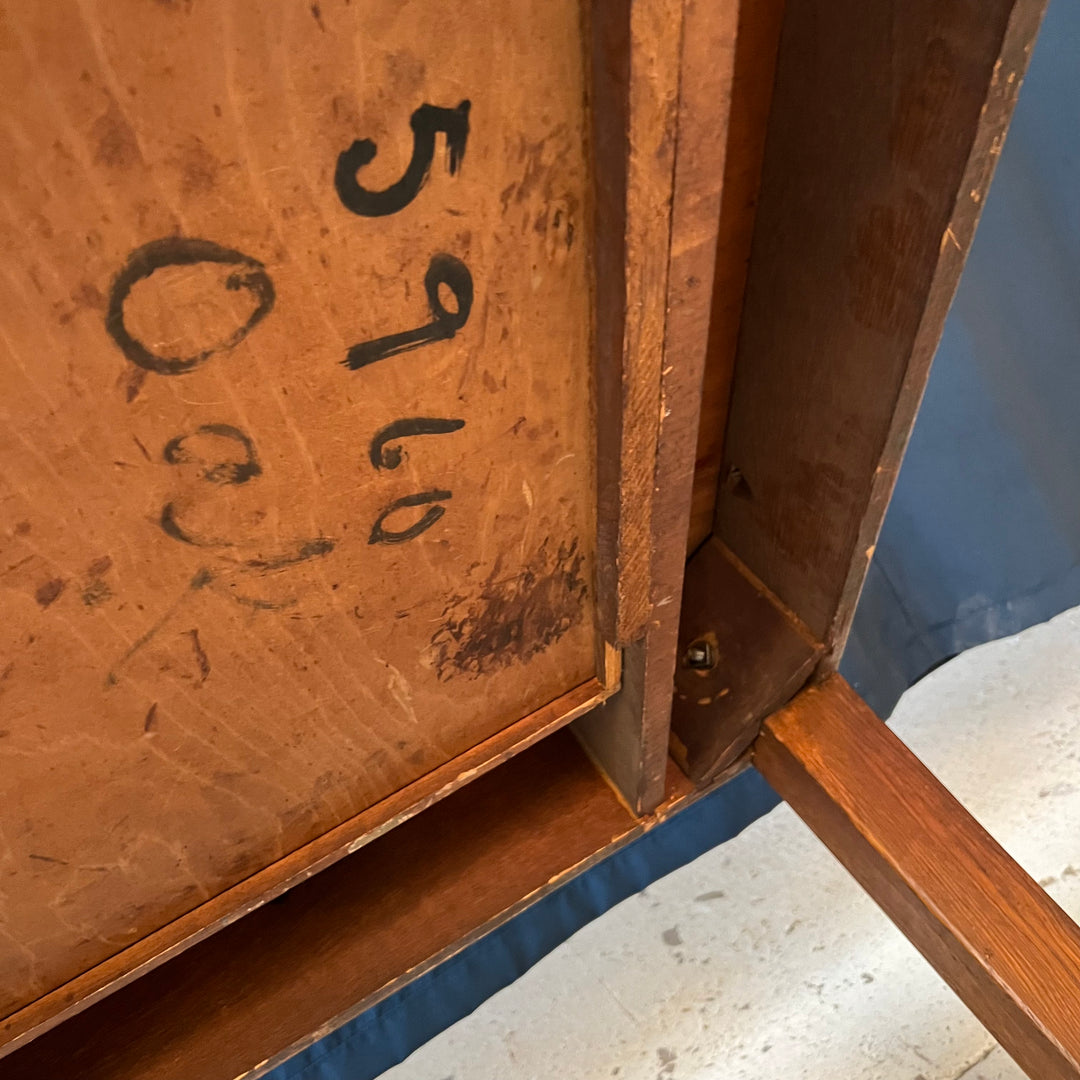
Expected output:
(982, 538)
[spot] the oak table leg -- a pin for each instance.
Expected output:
(1009, 952)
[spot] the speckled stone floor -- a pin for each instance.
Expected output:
(764, 960)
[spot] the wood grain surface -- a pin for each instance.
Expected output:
(756, 40)
(298, 492)
(662, 91)
(886, 123)
(289, 973)
(163, 945)
(635, 52)
(1010, 953)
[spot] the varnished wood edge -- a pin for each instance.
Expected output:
(679, 795)
(634, 52)
(665, 179)
(72, 997)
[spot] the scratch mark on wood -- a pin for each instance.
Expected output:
(201, 579)
(200, 656)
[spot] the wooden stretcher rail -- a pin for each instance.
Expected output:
(1009, 952)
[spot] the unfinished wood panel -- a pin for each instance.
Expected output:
(296, 432)
(741, 655)
(284, 976)
(886, 123)
(756, 41)
(1010, 953)
(671, 63)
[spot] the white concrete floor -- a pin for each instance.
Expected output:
(764, 960)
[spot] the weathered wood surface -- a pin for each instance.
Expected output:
(282, 977)
(298, 493)
(756, 39)
(1005, 947)
(662, 75)
(886, 123)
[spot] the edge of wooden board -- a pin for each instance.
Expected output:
(680, 794)
(72, 997)
(564, 819)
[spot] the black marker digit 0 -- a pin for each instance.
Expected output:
(250, 274)
(382, 535)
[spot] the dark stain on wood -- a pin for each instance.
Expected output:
(197, 167)
(99, 566)
(95, 592)
(88, 295)
(514, 618)
(49, 592)
(887, 239)
(116, 145)
(133, 383)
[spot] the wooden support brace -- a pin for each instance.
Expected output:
(1009, 952)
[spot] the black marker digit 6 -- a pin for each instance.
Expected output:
(390, 457)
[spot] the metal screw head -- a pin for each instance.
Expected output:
(700, 655)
